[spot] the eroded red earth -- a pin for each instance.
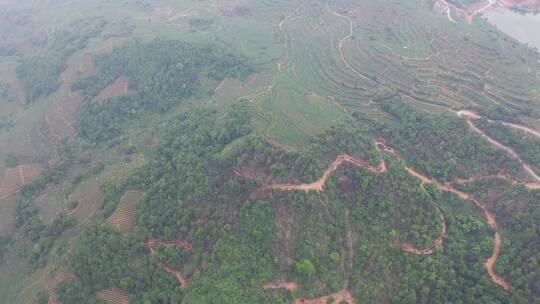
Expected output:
(153, 244)
(381, 168)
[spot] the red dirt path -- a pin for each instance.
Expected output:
(290, 286)
(341, 297)
(490, 217)
(153, 244)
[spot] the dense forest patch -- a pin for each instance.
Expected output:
(163, 73)
(237, 232)
(527, 146)
(441, 146)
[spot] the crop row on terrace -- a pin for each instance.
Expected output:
(50, 284)
(462, 82)
(113, 296)
(317, 62)
(123, 217)
(15, 178)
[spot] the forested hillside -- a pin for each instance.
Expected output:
(283, 152)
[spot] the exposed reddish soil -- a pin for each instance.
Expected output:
(407, 247)
(179, 277)
(510, 179)
(471, 115)
(153, 244)
(290, 286)
(490, 217)
(319, 184)
(120, 87)
(341, 297)
(286, 223)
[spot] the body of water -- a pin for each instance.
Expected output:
(524, 28)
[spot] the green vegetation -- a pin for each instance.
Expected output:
(4, 243)
(42, 298)
(440, 145)
(528, 147)
(41, 237)
(159, 84)
(220, 110)
(518, 211)
(11, 160)
(40, 74)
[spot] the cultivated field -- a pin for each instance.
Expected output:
(113, 296)
(120, 87)
(123, 217)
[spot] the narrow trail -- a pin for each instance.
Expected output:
(152, 244)
(57, 138)
(522, 128)
(58, 110)
(9, 194)
(443, 7)
(319, 184)
(490, 219)
(471, 115)
(285, 53)
(21, 173)
(350, 250)
(290, 286)
(407, 247)
(512, 180)
(491, 140)
(343, 296)
(340, 44)
(381, 168)
(178, 275)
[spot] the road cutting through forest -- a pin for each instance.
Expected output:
(510, 179)
(381, 168)
(470, 115)
(152, 244)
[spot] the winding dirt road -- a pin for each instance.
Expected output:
(381, 168)
(471, 115)
(490, 219)
(153, 244)
(511, 180)
(318, 185)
